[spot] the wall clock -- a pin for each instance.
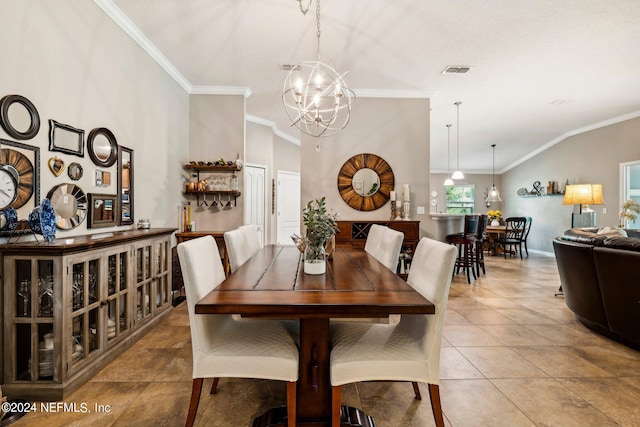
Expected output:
(23, 166)
(9, 179)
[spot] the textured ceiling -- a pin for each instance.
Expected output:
(541, 70)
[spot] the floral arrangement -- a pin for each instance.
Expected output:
(321, 227)
(628, 212)
(494, 215)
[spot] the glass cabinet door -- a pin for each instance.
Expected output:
(34, 295)
(117, 315)
(86, 295)
(144, 272)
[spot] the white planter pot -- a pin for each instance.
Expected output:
(315, 267)
(495, 223)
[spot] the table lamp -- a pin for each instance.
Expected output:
(583, 195)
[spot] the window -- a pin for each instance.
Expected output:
(460, 199)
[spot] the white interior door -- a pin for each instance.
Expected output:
(288, 206)
(254, 192)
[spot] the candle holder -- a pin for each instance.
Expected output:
(406, 209)
(398, 216)
(393, 210)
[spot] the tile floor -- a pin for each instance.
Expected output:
(513, 355)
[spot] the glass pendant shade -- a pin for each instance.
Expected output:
(457, 175)
(448, 182)
(494, 195)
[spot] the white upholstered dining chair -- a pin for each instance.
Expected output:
(385, 245)
(407, 351)
(224, 347)
(241, 244)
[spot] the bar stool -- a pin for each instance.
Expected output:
(479, 245)
(466, 244)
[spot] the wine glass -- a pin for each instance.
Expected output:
(24, 291)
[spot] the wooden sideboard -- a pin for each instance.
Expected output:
(355, 233)
(73, 305)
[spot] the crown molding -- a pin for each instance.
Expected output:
(584, 129)
(221, 90)
(134, 32)
(272, 125)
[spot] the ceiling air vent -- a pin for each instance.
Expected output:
(456, 69)
(287, 67)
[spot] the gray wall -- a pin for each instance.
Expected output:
(592, 157)
(217, 129)
(79, 68)
(396, 130)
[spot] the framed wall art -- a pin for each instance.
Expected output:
(102, 210)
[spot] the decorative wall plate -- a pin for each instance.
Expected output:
(56, 166)
(26, 172)
(70, 205)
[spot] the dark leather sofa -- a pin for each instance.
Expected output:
(600, 278)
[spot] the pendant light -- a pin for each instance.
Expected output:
(448, 181)
(494, 194)
(458, 173)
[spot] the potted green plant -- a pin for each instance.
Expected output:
(321, 227)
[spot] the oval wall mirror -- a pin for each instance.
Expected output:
(74, 171)
(365, 181)
(15, 111)
(102, 147)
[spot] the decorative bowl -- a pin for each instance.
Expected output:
(8, 219)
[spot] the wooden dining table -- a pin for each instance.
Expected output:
(272, 284)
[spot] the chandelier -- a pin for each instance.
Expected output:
(315, 96)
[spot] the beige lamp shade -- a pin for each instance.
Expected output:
(583, 194)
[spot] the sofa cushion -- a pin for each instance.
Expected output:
(626, 243)
(587, 236)
(612, 232)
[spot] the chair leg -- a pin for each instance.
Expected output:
(436, 407)
(291, 403)
(196, 388)
(520, 250)
(336, 404)
(416, 391)
(214, 386)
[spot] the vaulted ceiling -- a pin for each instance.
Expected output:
(540, 70)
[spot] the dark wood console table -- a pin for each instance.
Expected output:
(355, 233)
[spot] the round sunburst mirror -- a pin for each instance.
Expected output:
(365, 182)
